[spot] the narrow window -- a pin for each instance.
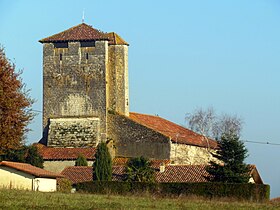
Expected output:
(87, 56)
(60, 56)
(60, 45)
(87, 44)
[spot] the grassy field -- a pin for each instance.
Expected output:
(14, 199)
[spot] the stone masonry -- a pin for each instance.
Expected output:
(86, 100)
(134, 140)
(82, 77)
(77, 132)
(190, 155)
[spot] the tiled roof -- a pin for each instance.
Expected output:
(81, 32)
(183, 173)
(154, 163)
(115, 39)
(60, 153)
(27, 168)
(77, 174)
(177, 133)
(172, 173)
(84, 32)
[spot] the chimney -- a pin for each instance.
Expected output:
(162, 168)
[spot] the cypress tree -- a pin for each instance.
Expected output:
(81, 161)
(102, 166)
(232, 153)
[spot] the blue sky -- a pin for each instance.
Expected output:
(182, 55)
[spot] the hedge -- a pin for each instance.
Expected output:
(249, 192)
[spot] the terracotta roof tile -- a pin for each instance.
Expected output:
(118, 161)
(183, 173)
(177, 133)
(84, 32)
(27, 168)
(115, 39)
(59, 153)
(81, 32)
(172, 173)
(77, 174)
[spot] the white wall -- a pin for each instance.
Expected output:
(13, 179)
(44, 184)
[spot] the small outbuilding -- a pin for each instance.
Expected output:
(14, 175)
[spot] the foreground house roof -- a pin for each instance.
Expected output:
(27, 168)
(84, 32)
(171, 173)
(60, 153)
(177, 134)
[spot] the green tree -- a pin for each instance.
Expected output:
(33, 157)
(232, 153)
(139, 170)
(102, 166)
(81, 160)
(26, 154)
(14, 155)
(15, 104)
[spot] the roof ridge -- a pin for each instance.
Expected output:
(30, 169)
(155, 116)
(81, 31)
(171, 130)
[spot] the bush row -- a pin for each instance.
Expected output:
(250, 192)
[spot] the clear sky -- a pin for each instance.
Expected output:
(182, 55)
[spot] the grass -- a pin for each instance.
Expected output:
(16, 199)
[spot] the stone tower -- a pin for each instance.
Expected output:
(85, 77)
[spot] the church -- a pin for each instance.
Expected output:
(86, 101)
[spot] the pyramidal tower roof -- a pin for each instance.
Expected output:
(84, 32)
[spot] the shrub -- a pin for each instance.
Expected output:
(139, 170)
(249, 192)
(64, 185)
(81, 161)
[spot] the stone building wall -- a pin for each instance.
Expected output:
(132, 139)
(190, 155)
(58, 165)
(117, 77)
(74, 132)
(75, 81)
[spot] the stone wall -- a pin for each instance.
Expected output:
(117, 77)
(74, 132)
(74, 81)
(191, 155)
(132, 139)
(58, 166)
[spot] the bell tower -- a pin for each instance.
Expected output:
(85, 75)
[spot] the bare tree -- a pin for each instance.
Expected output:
(202, 121)
(228, 124)
(210, 125)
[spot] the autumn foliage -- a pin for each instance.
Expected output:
(15, 105)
